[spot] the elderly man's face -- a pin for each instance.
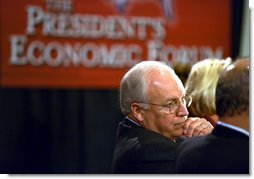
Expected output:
(163, 88)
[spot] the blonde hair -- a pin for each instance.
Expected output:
(201, 84)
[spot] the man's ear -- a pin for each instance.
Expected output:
(137, 111)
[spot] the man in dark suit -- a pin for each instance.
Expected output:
(154, 101)
(226, 149)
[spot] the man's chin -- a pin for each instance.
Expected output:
(179, 132)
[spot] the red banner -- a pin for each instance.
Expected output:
(92, 43)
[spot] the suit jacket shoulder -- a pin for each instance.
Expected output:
(223, 151)
(139, 150)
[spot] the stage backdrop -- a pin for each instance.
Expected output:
(90, 44)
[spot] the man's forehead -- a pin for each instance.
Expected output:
(170, 85)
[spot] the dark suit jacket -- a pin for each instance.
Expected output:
(139, 150)
(224, 151)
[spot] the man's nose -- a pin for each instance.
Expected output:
(183, 111)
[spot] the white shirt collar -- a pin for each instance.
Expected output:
(133, 121)
(234, 128)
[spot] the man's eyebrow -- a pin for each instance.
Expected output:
(170, 99)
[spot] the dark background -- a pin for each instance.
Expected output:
(66, 130)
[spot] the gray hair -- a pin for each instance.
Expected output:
(133, 86)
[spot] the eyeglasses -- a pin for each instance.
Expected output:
(174, 104)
